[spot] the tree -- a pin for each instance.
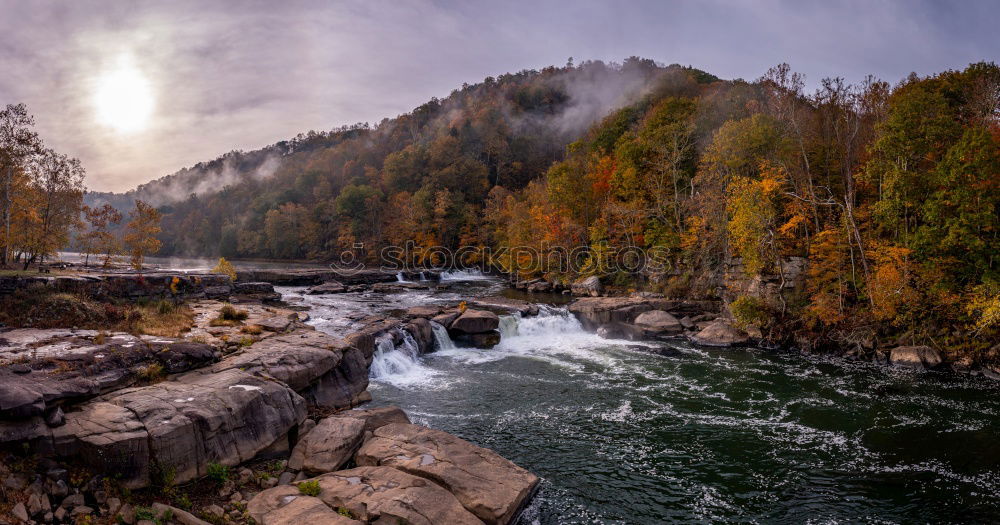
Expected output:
(100, 239)
(225, 267)
(57, 182)
(17, 143)
(140, 237)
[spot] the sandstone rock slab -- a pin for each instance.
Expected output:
(720, 332)
(916, 357)
(658, 322)
(589, 286)
(328, 446)
(489, 486)
(475, 322)
(369, 495)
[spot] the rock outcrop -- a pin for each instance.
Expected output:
(636, 317)
(362, 495)
(720, 332)
(475, 322)
(916, 357)
(658, 322)
(183, 425)
(489, 486)
(476, 328)
(48, 368)
(589, 286)
(328, 287)
(328, 446)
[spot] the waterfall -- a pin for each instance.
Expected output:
(549, 322)
(508, 325)
(390, 360)
(464, 275)
(442, 341)
(400, 278)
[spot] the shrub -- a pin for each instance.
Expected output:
(252, 329)
(151, 373)
(309, 488)
(750, 311)
(218, 472)
(164, 307)
(230, 313)
(225, 267)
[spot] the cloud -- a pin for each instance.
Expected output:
(241, 75)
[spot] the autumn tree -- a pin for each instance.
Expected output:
(142, 229)
(18, 142)
(57, 185)
(100, 237)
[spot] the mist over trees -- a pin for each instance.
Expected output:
(889, 192)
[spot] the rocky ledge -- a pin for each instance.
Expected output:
(149, 285)
(142, 408)
(405, 473)
(650, 316)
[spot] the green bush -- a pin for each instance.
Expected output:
(309, 488)
(218, 472)
(750, 311)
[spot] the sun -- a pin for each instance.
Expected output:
(123, 97)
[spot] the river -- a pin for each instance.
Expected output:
(626, 433)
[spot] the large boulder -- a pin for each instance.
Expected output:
(917, 357)
(589, 286)
(720, 332)
(41, 369)
(423, 334)
(594, 312)
(328, 446)
(376, 417)
(489, 486)
(181, 425)
(366, 495)
(475, 322)
(658, 322)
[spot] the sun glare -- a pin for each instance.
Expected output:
(123, 97)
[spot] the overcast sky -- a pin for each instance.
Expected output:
(241, 75)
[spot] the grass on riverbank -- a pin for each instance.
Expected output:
(42, 309)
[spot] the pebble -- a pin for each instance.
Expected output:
(286, 478)
(82, 510)
(74, 500)
(245, 476)
(20, 512)
(15, 482)
(215, 510)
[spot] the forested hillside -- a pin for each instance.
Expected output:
(313, 195)
(890, 193)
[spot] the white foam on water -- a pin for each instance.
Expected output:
(401, 366)
(465, 275)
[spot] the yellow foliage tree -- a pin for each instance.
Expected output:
(141, 235)
(225, 267)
